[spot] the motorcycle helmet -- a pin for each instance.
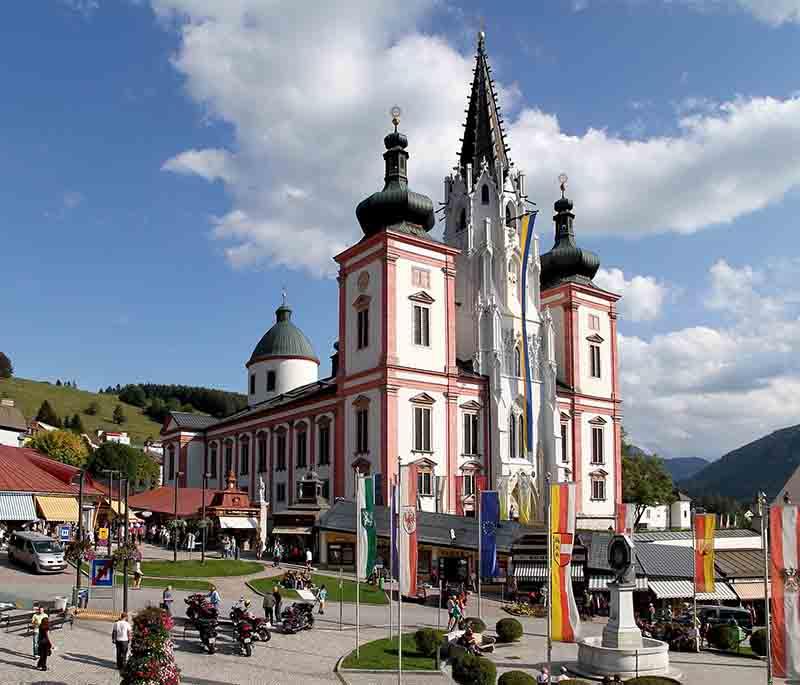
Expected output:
(247, 604)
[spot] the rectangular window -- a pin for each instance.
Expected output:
(594, 322)
(326, 489)
(362, 431)
(280, 450)
(363, 329)
(420, 278)
(171, 463)
(324, 445)
(597, 445)
(471, 434)
(594, 358)
(212, 467)
(270, 381)
(422, 429)
(262, 453)
(252, 384)
(422, 329)
(302, 441)
(228, 458)
(598, 489)
(424, 483)
(469, 484)
(244, 454)
(280, 492)
(564, 453)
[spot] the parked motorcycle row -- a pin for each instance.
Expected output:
(247, 628)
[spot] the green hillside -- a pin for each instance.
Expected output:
(29, 395)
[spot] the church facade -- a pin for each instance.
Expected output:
(429, 364)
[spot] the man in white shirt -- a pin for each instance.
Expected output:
(121, 637)
(308, 558)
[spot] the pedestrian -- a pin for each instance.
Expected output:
(309, 557)
(322, 595)
(121, 637)
(36, 622)
(276, 593)
(167, 599)
(276, 554)
(235, 547)
(259, 548)
(44, 646)
(214, 598)
(268, 604)
(651, 610)
(137, 575)
(544, 676)
(451, 603)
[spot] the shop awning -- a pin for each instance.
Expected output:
(292, 530)
(119, 510)
(749, 591)
(600, 583)
(17, 507)
(538, 572)
(682, 589)
(58, 509)
(238, 522)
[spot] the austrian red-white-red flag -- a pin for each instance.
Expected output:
(407, 531)
(626, 518)
(784, 536)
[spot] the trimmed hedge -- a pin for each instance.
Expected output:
(758, 642)
(516, 678)
(428, 641)
(723, 636)
(474, 670)
(478, 626)
(573, 682)
(652, 680)
(508, 630)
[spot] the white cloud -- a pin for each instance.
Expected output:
(642, 296)
(72, 199)
(86, 8)
(775, 12)
(703, 390)
(307, 93)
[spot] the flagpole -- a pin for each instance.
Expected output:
(480, 551)
(399, 573)
(358, 484)
(549, 574)
(694, 574)
(764, 507)
(391, 556)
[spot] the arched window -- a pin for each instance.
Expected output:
(509, 216)
(484, 194)
(521, 435)
(462, 220)
(228, 457)
(244, 455)
(262, 451)
(212, 465)
(518, 361)
(512, 436)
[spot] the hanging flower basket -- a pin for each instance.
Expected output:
(79, 550)
(127, 551)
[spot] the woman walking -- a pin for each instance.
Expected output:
(44, 645)
(276, 593)
(322, 596)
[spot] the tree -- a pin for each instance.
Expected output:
(6, 368)
(92, 409)
(76, 425)
(132, 463)
(58, 383)
(47, 414)
(133, 394)
(119, 415)
(61, 445)
(157, 409)
(645, 482)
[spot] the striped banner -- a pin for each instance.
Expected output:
(704, 525)
(626, 518)
(367, 537)
(407, 531)
(564, 617)
(525, 244)
(784, 536)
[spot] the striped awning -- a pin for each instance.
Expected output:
(119, 510)
(749, 591)
(238, 522)
(17, 507)
(538, 572)
(682, 589)
(600, 583)
(58, 509)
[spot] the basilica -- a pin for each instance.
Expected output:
(433, 365)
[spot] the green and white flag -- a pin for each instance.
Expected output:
(367, 546)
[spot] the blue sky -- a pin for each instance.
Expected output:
(167, 168)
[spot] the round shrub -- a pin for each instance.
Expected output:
(478, 626)
(723, 636)
(516, 678)
(428, 641)
(508, 630)
(758, 642)
(474, 670)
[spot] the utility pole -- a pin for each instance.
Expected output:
(125, 563)
(178, 476)
(80, 540)
(110, 473)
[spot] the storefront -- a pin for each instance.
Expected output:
(17, 508)
(57, 509)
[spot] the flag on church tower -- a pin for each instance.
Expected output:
(525, 244)
(784, 557)
(564, 616)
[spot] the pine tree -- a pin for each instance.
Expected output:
(58, 383)
(119, 415)
(92, 409)
(152, 659)
(47, 414)
(76, 425)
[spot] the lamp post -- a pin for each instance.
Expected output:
(125, 562)
(178, 476)
(80, 540)
(110, 473)
(203, 522)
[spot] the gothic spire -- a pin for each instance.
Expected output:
(483, 132)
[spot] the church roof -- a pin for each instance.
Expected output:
(284, 339)
(484, 138)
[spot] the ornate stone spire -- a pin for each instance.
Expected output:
(484, 138)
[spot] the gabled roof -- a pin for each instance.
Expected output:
(192, 421)
(671, 561)
(26, 470)
(740, 563)
(162, 500)
(11, 418)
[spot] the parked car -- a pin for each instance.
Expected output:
(36, 551)
(714, 615)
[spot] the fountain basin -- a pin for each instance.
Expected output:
(652, 658)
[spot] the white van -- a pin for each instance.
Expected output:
(39, 552)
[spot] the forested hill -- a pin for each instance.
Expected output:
(157, 399)
(764, 464)
(681, 468)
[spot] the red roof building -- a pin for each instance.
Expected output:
(162, 501)
(26, 470)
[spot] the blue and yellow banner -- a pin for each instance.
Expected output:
(526, 244)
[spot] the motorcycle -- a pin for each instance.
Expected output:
(260, 626)
(243, 631)
(198, 606)
(207, 627)
(299, 616)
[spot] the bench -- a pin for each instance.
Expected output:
(56, 619)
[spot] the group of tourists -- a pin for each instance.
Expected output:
(229, 547)
(298, 580)
(456, 609)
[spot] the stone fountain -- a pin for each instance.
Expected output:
(622, 650)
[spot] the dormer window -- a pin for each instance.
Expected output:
(484, 194)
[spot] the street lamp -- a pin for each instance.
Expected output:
(125, 563)
(178, 476)
(110, 473)
(203, 521)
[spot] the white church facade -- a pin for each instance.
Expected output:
(429, 361)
